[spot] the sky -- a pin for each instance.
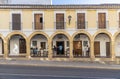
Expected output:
(85, 1)
(55, 2)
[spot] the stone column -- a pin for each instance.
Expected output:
(71, 50)
(50, 53)
(92, 56)
(6, 49)
(28, 49)
(112, 50)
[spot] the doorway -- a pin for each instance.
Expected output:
(22, 46)
(108, 49)
(97, 48)
(77, 46)
(58, 44)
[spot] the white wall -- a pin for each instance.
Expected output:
(39, 39)
(14, 46)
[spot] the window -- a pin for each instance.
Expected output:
(38, 21)
(34, 43)
(101, 20)
(16, 22)
(67, 43)
(43, 45)
(59, 21)
(80, 20)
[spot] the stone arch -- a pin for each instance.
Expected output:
(116, 34)
(16, 33)
(39, 47)
(116, 44)
(35, 33)
(8, 38)
(82, 32)
(3, 48)
(61, 42)
(3, 38)
(83, 48)
(60, 32)
(102, 31)
(103, 44)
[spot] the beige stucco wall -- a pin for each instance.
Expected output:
(27, 19)
(92, 18)
(73, 19)
(49, 19)
(4, 19)
(112, 18)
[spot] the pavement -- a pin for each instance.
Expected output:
(50, 63)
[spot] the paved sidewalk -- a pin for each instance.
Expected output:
(74, 64)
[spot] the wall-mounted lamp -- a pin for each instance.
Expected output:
(69, 19)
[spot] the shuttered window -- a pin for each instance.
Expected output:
(16, 22)
(101, 20)
(80, 20)
(38, 21)
(59, 21)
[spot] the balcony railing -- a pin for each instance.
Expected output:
(60, 25)
(15, 25)
(103, 25)
(81, 25)
(38, 26)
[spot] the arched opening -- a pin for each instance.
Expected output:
(17, 45)
(61, 45)
(102, 45)
(117, 45)
(39, 46)
(81, 45)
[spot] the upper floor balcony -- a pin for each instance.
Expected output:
(60, 25)
(16, 26)
(103, 25)
(38, 26)
(81, 25)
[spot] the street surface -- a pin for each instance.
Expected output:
(32, 72)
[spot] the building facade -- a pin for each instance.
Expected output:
(60, 32)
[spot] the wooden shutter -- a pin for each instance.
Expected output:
(102, 20)
(16, 22)
(60, 21)
(81, 21)
(22, 46)
(97, 48)
(38, 21)
(108, 49)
